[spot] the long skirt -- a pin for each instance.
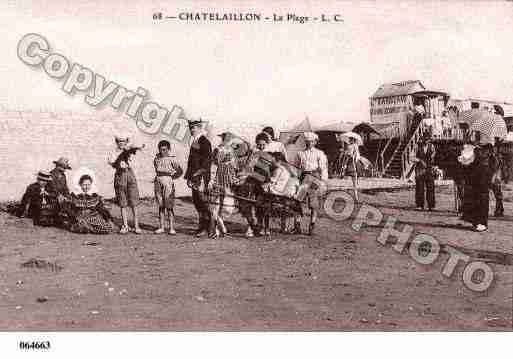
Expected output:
(221, 199)
(476, 202)
(91, 223)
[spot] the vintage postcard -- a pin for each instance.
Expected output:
(311, 166)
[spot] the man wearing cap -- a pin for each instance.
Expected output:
(39, 201)
(313, 162)
(198, 173)
(59, 178)
(424, 175)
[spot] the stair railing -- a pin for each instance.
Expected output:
(376, 160)
(395, 133)
(382, 156)
(394, 154)
(410, 151)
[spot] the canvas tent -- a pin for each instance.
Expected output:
(294, 141)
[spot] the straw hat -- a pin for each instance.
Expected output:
(195, 122)
(44, 176)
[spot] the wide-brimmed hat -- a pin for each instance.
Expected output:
(228, 135)
(467, 155)
(351, 136)
(121, 138)
(311, 136)
(63, 162)
(195, 122)
(44, 176)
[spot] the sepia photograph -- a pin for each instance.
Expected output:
(243, 167)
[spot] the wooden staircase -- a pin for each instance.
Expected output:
(394, 168)
(401, 163)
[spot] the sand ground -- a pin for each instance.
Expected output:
(339, 279)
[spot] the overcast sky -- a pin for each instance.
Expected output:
(261, 72)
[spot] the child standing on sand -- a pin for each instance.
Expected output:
(125, 183)
(167, 169)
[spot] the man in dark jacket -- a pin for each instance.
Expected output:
(198, 173)
(39, 201)
(424, 176)
(59, 178)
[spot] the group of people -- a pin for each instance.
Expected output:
(476, 173)
(252, 178)
(439, 127)
(234, 174)
(49, 202)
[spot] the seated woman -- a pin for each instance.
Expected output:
(87, 212)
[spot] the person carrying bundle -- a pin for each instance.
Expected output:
(125, 182)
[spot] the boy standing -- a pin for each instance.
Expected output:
(167, 169)
(125, 184)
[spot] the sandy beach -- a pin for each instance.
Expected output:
(339, 279)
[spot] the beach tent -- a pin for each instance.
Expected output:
(303, 126)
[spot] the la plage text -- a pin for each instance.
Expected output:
(215, 16)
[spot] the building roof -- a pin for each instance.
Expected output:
(399, 89)
(430, 93)
(502, 108)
